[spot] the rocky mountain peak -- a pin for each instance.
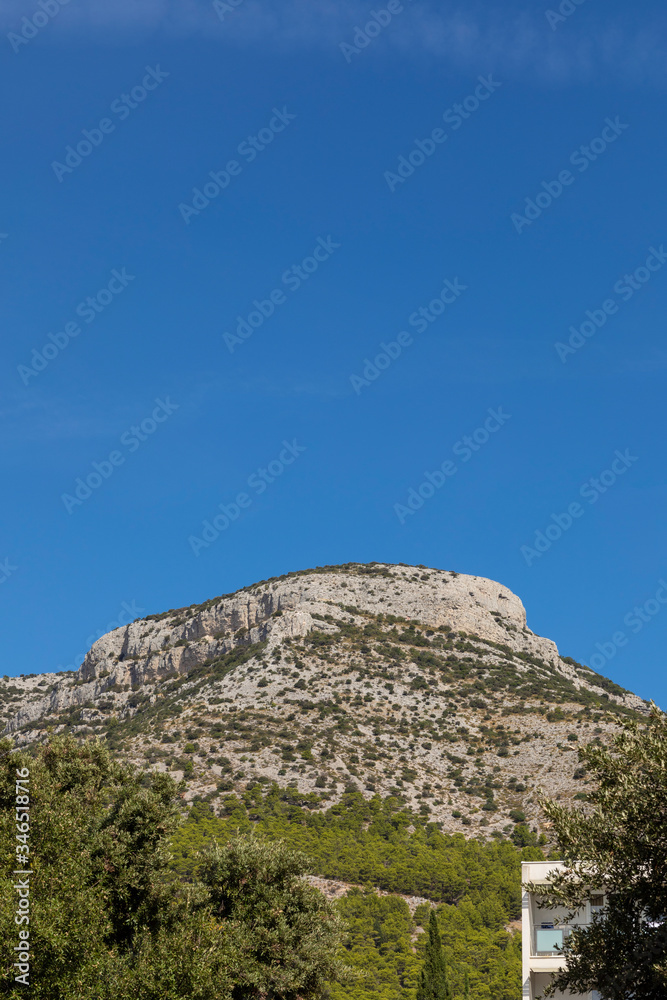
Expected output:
(316, 677)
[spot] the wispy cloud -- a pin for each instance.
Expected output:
(502, 36)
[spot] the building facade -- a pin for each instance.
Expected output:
(543, 934)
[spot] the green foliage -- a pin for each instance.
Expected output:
(286, 937)
(382, 844)
(523, 836)
(378, 944)
(96, 848)
(617, 844)
(108, 919)
(381, 945)
(433, 982)
(376, 842)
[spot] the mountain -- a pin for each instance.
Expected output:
(391, 680)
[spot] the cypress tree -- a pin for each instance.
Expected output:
(433, 982)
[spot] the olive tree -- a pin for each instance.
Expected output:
(106, 916)
(616, 843)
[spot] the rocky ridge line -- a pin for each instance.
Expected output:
(148, 650)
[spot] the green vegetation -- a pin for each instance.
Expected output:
(434, 717)
(378, 945)
(433, 981)
(379, 843)
(106, 919)
(617, 845)
(373, 843)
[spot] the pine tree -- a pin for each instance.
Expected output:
(433, 982)
(466, 987)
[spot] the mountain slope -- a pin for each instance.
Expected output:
(397, 680)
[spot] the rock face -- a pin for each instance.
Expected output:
(178, 641)
(396, 680)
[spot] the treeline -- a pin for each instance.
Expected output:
(379, 843)
(384, 945)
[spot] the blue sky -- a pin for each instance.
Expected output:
(130, 375)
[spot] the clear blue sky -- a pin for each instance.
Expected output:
(304, 121)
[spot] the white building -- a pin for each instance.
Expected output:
(543, 933)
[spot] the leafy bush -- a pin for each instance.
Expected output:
(109, 921)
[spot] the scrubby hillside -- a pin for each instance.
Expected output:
(389, 680)
(395, 722)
